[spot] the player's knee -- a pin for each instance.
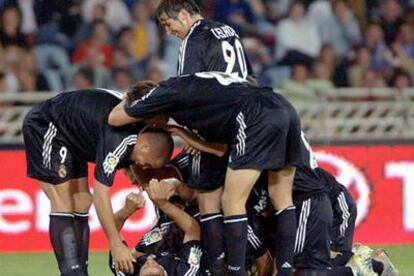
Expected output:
(83, 202)
(233, 203)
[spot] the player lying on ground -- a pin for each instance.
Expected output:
(180, 168)
(159, 253)
(225, 109)
(61, 136)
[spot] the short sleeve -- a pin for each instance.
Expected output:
(112, 153)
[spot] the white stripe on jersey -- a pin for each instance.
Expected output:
(47, 145)
(301, 231)
(345, 213)
(117, 94)
(241, 136)
(183, 48)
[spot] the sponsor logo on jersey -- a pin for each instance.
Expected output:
(153, 236)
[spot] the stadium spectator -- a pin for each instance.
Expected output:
(83, 79)
(29, 77)
(401, 80)
(297, 38)
(391, 19)
(3, 86)
(336, 66)
(145, 33)
(321, 82)
(237, 14)
(404, 47)
(372, 79)
(296, 89)
(99, 40)
(336, 24)
(122, 79)
(117, 15)
(359, 67)
(10, 33)
(381, 60)
(85, 29)
(11, 64)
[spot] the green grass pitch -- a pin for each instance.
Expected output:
(45, 264)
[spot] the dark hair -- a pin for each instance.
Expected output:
(399, 72)
(139, 89)
(162, 143)
(172, 7)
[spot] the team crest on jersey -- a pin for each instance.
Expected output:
(62, 171)
(195, 256)
(153, 236)
(110, 163)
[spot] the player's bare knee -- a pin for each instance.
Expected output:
(83, 202)
(60, 197)
(210, 202)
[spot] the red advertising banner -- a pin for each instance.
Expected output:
(380, 178)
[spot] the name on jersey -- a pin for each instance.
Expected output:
(224, 32)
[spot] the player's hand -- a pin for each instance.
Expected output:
(134, 201)
(159, 191)
(122, 258)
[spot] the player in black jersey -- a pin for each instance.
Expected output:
(263, 133)
(206, 46)
(61, 136)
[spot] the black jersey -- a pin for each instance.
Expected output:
(213, 46)
(206, 102)
(81, 117)
(188, 261)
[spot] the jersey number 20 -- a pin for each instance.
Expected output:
(230, 53)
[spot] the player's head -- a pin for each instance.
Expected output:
(139, 89)
(153, 148)
(152, 268)
(177, 16)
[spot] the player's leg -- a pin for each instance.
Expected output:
(212, 232)
(312, 237)
(207, 176)
(343, 227)
(62, 231)
(237, 187)
(82, 204)
(280, 192)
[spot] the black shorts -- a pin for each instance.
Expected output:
(314, 217)
(49, 156)
(268, 137)
(344, 217)
(207, 171)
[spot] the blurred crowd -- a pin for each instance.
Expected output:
(305, 47)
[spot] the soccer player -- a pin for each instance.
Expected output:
(206, 45)
(61, 136)
(263, 132)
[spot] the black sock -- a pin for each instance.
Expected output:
(341, 271)
(235, 233)
(212, 235)
(378, 267)
(82, 237)
(285, 241)
(63, 238)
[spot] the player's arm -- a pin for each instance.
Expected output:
(158, 194)
(121, 254)
(133, 202)
(118, 116)
(197, 143)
